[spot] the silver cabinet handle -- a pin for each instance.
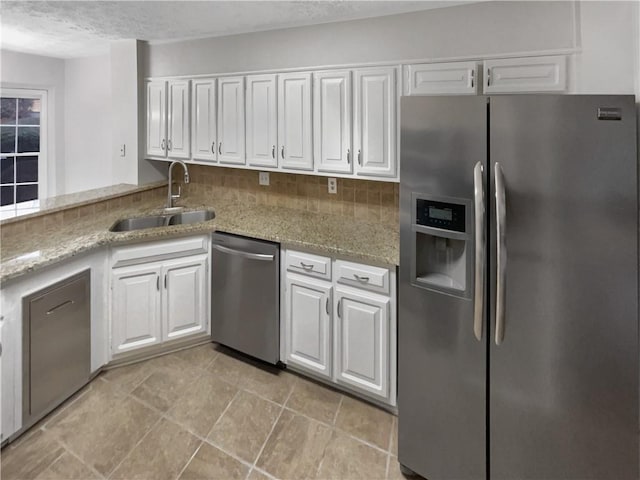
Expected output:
(473, 74)
(326, 306)
(480, 249)
(165, 281)
(58, 307)
(306, 266)
(273, 151)
(501, 253)
(213, 148)
(169, 145)
(162, 145)
(220, 148)
(348, 156)
(361, 279)
(359, 157)
(339, 305)
(240, 253)
(282, 152)
(158, 283)
(488, 77)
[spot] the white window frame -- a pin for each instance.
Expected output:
(33, 205)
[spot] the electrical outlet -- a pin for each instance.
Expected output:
(333, 185)
(123, 149)
(263, 178)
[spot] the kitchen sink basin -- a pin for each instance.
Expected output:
(151, 221)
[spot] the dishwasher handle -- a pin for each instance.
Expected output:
(252, 256)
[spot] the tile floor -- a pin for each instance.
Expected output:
(203, 413)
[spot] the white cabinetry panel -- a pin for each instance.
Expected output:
(135, 307)
(308, 324)
(203, 124)
(294, 121)
(526, 75)
(362, 341)
(156, 118)
(332, 121)
(375, 121)
(178, 142)
(231, 134)
(451, 78)
(262, 121)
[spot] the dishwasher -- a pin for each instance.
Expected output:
(56, 345)
(245, 295)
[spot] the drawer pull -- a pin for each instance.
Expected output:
(307, 267)
(57, 307)
(361, 279)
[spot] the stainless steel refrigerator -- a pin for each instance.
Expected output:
(518, 288)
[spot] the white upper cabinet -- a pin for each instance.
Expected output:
(262, 121)
(332, 121)
(178, 142)
(231, 120)
(203, 123)
(294, 121)
(156, 118)
(374, 109)
(526, 75)
(452, 78)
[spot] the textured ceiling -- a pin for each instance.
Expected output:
(68, 29)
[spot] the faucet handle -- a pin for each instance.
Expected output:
(177, 195)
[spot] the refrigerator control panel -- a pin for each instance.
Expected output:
(447, 216)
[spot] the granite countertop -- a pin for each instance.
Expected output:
(321, 233)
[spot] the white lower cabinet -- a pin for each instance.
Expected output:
(160, 292)
(340, 333)
(308, 327)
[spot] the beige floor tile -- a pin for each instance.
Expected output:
(103, 426)
(365, 421)
(347, 458)
(200, 356)
(244, 427)
(31, 458)
(271, 383)
(161, 455)
(68, 467)
(313, 400)
(129, 376)
(166, 383)
(229, 368)
(257, 475)
(295, 447)
(395, 473)
(210, 463)
(394, 437)
(201, 404)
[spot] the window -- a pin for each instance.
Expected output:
(22, 138)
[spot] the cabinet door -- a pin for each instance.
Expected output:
(231, 120)
(526, 75)
(203, 123)
(135, 309)
(156, 118)
(451, 78)
(332, 121)
(375, 121)
(184, 296)
(362, 341)
(262, 120)
(294, 121)
(308, 324)
(178, 141)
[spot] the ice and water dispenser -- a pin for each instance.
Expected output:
(442, 244)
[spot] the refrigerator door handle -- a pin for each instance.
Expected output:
(480, 249)
(501, 253)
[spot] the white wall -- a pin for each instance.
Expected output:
(88, 162)
(34, 71)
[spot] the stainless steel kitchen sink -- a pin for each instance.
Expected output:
(151, 221)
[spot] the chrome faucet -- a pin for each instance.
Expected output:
(170, 196)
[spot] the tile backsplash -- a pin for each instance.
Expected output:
(362, 200)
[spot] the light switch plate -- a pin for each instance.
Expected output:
(263, 178)
(333, 185)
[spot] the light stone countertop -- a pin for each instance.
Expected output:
(321, 233)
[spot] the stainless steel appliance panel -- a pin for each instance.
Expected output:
(245, 296)
(442, 365)
(56, 344)
(564, 378)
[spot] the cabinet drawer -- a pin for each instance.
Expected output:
(367, 277)
(309, 264)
